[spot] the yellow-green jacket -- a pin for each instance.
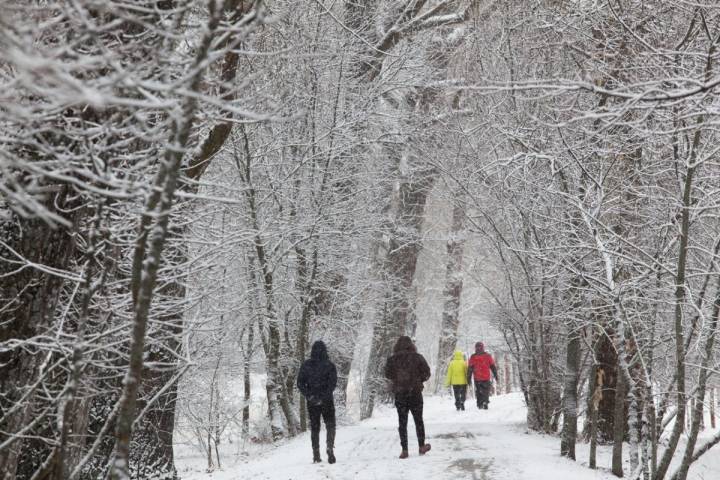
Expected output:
(457, 370)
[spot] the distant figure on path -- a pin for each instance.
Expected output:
(316, 381)
(407, 370)
(457, 374)
(480, 365)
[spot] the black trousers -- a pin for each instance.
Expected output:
(482, 392)
(327, 411)
(459, 391)
(410, 402)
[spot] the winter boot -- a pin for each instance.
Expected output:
(316, 456)
(330, 443)
(404, 454)
(424, 449)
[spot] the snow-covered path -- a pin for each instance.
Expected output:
(473, 444)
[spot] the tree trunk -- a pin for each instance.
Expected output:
(278, 403)
(607, 361)
(152, 452)
(680, 295)
(393, 316)
(153, 437)
(452, 292)
(618, 426)
(635, 410)
(148, 251)
(570, 397)
(30, 297)
(246, 380)
(74, 411)
(507, 363)
(595, 396)
(697, 411)
(306, 275)
(343, 354)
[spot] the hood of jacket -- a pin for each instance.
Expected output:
(404, 344)
(458, 355)
(319, 351)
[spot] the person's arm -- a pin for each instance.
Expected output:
(424, 369)
(447, 377)
(389, 373)
(470, 370)
(493, 368)
(302, 381)
(332, 381)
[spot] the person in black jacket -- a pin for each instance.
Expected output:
(316, 381)
(407, 370)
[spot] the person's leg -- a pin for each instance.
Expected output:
(478, 394)
(314, 412)
(416, 408)
(463, 393)
(456, 394)
(401, 405)
(328, 414)
(484, 392)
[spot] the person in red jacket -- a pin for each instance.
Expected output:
(480, 365)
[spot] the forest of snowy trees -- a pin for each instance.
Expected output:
(191, 191)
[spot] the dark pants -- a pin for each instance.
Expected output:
(327, 411)
(459, 391)
(410, 402)
(482, 393)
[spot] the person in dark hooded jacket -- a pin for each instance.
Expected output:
(407, 370)
(316, 381)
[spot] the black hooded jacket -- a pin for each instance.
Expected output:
(318, 376)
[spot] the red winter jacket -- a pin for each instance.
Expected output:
(481, 364)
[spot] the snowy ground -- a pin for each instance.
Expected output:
(473, 444)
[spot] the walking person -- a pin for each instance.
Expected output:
(457, 378)
(316, 381)
(407, 370)
(480, 365)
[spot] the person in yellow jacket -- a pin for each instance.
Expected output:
(457, 377)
